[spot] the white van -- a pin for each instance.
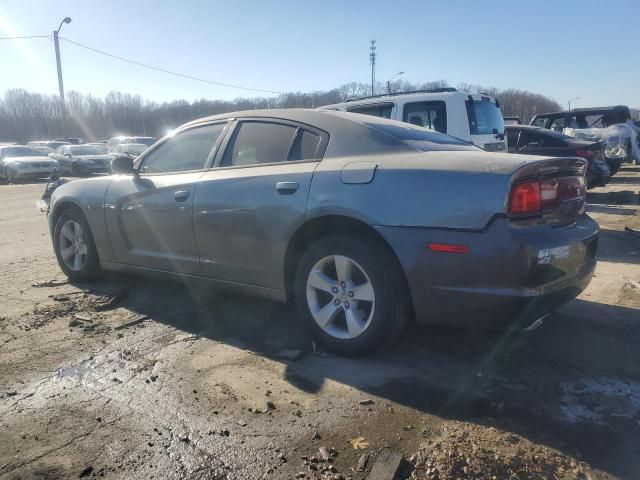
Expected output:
(475, 118)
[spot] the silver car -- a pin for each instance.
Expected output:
(82, 160)
(362, 222)
(19, 162)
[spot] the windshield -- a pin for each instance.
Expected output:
(484, 117)
(135, 148)
(55, 145)
(20, 152)
(421, 138)
(148, 141)
(87, 150)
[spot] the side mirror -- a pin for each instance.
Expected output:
(122, 165)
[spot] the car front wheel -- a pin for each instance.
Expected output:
(74, 246)
(351, 294)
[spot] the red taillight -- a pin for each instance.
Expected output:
(546, 193)
(525, 198)
(588, 154)
(448, 248)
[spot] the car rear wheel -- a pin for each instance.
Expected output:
(351, 294)
(74, 246)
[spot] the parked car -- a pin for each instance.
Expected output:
(475, 118)
(82, 159)
(360, 220)
(590, 118)
(18, 162)
(132, 149)
(46, 146)
(539, 141)
(71, 140)
(148, 141)
(512, 121)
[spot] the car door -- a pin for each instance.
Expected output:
(149, 214)
(247, 207)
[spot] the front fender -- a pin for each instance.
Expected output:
(88, 195)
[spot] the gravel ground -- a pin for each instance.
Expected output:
(137, 378)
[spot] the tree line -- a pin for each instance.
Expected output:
(26, 116)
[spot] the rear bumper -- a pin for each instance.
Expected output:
(510, 275)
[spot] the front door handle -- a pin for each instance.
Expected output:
(181, 195)
(287, 188)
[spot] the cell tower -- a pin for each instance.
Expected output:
(372, 60)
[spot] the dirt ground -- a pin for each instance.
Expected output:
(137, 378)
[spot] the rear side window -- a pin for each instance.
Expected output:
(259, 142)
(432, 115)
(187, 150)
(305, 146)
(378, 110)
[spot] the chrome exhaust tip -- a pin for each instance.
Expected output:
(537, 323)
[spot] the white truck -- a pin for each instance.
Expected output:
(475, 118)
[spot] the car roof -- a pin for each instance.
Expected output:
(349, 133)
(594, 110)
(323, 119)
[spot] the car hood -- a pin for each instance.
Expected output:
(28, 159)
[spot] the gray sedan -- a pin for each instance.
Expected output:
(362, 222)
(82, 159)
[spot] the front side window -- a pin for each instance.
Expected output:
(431, 115)
(484, 117)
(378, 110)
(259, 142)
(188, 150)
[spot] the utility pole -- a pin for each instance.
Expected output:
(569, 102)
(372, 60)
(60, 84)
(389, 81)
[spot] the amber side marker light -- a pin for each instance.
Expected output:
(448, 248)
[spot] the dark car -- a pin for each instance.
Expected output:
(600, 117)
(539, 141)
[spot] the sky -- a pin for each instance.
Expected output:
(562, 49)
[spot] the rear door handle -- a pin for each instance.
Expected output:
(181, 195)
(287, 188)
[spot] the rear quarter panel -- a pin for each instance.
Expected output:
(455, 190)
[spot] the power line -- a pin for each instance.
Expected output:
(25, 36)
(167, 71)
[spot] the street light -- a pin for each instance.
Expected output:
(60, 85)
(569, 102)
(389, 81)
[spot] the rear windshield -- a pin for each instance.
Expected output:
(421, 138)
(20, 152)
(484, 117)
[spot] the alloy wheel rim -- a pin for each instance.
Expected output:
(340, 297)
(73, 245)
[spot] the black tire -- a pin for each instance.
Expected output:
(91, 267)
(10, 175)
(392, 300)
(76, 170)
